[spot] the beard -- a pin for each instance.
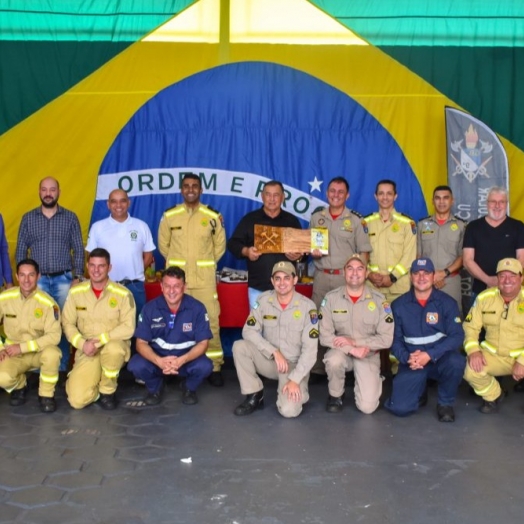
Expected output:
(49, 203)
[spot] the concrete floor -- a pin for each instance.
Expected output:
(125, 467)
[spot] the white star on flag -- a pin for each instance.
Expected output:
(315, 185)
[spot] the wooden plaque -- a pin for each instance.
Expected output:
(269, 239)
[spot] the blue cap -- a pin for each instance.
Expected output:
(422, 264)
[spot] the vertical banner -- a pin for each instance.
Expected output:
(476, 161)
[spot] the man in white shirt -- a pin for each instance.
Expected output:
(129, 242)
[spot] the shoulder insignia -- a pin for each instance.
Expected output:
(429, 217)
(370, 218)
(313, 333)
(318, 209)
(251, 321)
(208, 211)
(10, 293)
(174, 211)
(82, 287)
(490, 292)
(213, 209)
(118, 289)
(468, 318)
(313, 315)
(40, 297)
(356, 213)
(465, 222)
(389, 319)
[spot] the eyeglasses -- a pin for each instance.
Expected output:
(505, 312)
(498, 202)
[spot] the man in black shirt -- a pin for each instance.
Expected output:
(242, 242)
(490, 239)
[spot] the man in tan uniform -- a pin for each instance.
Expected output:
(31, 321)
(279, 342)
(500, 311)
(356, 323)
(192, 237)
(346, 237)
(439, 238)
(394, 242)
(99, 321)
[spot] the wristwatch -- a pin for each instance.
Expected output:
(447, 271)
(393, 278)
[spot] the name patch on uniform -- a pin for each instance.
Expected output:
(38, 313)
(112, 302)
(431, 318)
(251, 321)
(313, 315)
(428, 232)
(156, 326)
(81, 308)
(489, 312)
(176, 227)
(339, 311)
(313, 333)
(10, 316)
(270, 317)
(187, 326)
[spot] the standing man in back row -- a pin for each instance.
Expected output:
(192, 237)
(346, 238)
(439, 238)
(51, 235)
(129, 242)
(242, 242)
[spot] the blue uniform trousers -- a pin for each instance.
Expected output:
(194, 372)
(409, 384)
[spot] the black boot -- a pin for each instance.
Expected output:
(250, 404)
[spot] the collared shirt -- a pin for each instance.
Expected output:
(259, 271)
(50, 241)
(126, 242)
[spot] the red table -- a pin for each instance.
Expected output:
(234, 303)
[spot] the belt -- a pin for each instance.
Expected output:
(127, 281)
(57, 273)
(332, 271)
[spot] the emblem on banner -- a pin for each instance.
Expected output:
(473, 159)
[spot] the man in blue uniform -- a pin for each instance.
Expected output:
(427, 341)
(172, 337)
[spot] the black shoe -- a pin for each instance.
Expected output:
(423, 400)
(189, 397)
(492, 406)
(250, 404)
(153, 399)
(216, 379)
(18, 396)
(47, 404)
(107, 402)
(445, 413)
(335, 404)
(519, 386)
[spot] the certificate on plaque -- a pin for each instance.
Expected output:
(269, 239)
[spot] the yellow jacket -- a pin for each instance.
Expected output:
(110, 317)
(32, 322)
(193, 239)
(394, 246)
(504, 327)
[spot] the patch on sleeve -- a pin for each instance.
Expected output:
(323, 303)
(468, 318)
(457, 320)
(140, 317)
(389, 319)
(207, 317)
(365, 226)
(256, 305)
(56, 312)
(386, 307)
(313, 333)
(251, 321)
(313, 315)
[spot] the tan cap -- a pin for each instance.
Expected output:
(355, 256)
(286, 267)
(509, 264)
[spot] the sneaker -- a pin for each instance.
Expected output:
(189, 397)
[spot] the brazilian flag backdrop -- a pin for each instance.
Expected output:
(104, 94)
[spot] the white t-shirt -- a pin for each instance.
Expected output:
(126, 242)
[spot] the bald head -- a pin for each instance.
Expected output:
(118, 204)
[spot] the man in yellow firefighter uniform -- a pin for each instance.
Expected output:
(99, 321)
(31, 321)
(393, 237)
(192, 237)
(500, 311)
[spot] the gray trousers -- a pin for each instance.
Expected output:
(250, 362)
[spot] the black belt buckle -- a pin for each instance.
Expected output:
(56, 274)
(127, 281)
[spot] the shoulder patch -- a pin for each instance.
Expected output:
(251, 321)
(313, 315)
(256, 305)
(389, 319)
(313, 333)
(468, 318)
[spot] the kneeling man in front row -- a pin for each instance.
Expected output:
(279, 341)
(427, 343)
(172, 337)
(99, 321)
(31, 321)
(356, 322)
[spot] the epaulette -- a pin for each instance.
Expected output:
(356, 213)
(213, 209)
(174, 210)
(318, 209)
(490, 292)
(461, 219)
(81, 287)
(43, 299)
(208, 211)
(10, 293)
(402, 216)
(426, 218)
(372, 216)
(118, 289)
